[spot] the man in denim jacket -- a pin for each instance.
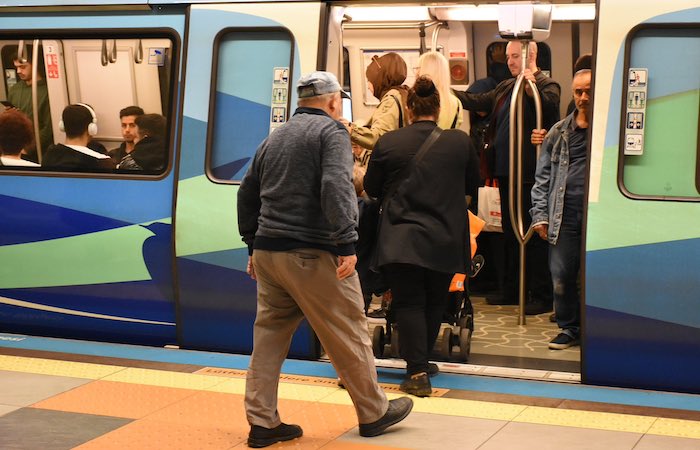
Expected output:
(558, 203)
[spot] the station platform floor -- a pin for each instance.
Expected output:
(65, 394)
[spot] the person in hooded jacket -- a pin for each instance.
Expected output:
(385, 75)
(149, 152)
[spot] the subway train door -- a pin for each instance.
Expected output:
(87, 252)
(256, 53)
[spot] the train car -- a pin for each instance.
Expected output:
(155, 257)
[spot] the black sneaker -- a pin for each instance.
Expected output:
(535, 308)
(433, 369)
(553, 318)
(262, 437)
(563, 341)
(417, 384)
(398, 410)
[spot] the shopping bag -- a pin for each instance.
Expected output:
(489, 210)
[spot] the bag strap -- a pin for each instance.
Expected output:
(454, 121)
(398, 103)
(408, 168)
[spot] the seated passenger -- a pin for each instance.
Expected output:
(16, 135)
(80, 124)
(127, 117)
(149, 152)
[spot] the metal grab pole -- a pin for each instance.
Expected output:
(35, 100)
(516, 212)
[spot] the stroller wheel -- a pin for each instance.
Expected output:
(446, 344)
(378, 341)
(394, 341)
(465, 344)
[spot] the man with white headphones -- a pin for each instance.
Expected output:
(79, 122)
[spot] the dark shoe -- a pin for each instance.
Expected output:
(433, 369)
(553, 318)
(377, 314)
(341, 385)
(262, 437)
(535, 308)
(417, 384)
(398, 410)
(563, 341)
(500, 300)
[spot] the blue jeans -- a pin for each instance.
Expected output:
(564, 264)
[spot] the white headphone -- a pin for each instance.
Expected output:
(92, 127)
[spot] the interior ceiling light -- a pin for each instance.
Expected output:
(471, 13)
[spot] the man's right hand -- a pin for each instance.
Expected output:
(542, 230)
(346, 266)
(537, 136)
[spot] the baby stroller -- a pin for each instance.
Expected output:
(459, 315)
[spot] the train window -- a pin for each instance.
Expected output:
(660, 114)
(497, 63)
(252, 96)
(66, 107)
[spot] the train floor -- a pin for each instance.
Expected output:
(65, 394)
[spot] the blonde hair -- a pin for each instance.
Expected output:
(358, 178)
(434, 65)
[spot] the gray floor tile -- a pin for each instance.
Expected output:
(31, 429)
(4, 409)
(525, 436)
(24, 389)
(652, 442)
(432, 431)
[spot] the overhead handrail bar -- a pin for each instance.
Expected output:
(436, 33)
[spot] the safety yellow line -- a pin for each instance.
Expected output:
(314, 389)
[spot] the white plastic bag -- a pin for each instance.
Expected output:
(490, 208)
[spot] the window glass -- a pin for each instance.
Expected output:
(252, 97)
(661, 99)
(81, 86)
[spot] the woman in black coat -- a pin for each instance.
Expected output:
(423, 239)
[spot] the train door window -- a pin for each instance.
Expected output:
(252, 96)
(497, 62)
(347, 103)
(660, 114)
(87, 82)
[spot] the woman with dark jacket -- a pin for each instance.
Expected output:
(423, 238)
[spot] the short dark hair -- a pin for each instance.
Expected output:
(424, 98)
(583, 62)
(16, 132)
(28, 49)
(152, 125)
(131, 111)
(76, 119)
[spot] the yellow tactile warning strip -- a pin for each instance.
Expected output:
(296, 391)
(585, 419)
(59, 368)
(676, 428)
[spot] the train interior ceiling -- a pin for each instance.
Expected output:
(111, 70)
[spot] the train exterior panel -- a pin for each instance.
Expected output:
(642, 301)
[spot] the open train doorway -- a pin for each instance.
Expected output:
(468, 37)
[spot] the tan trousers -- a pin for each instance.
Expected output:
(302, 283)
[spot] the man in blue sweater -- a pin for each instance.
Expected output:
(297, 212)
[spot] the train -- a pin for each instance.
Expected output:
(156, 258)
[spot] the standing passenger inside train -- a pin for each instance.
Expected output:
(79, 122)
(497, 101)
(127, 117)
(20, 96)
(149, 153)
(557, 207)
(297, 212)
(421, 175)
(435, 66)
(385, 76)
(16, 134)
